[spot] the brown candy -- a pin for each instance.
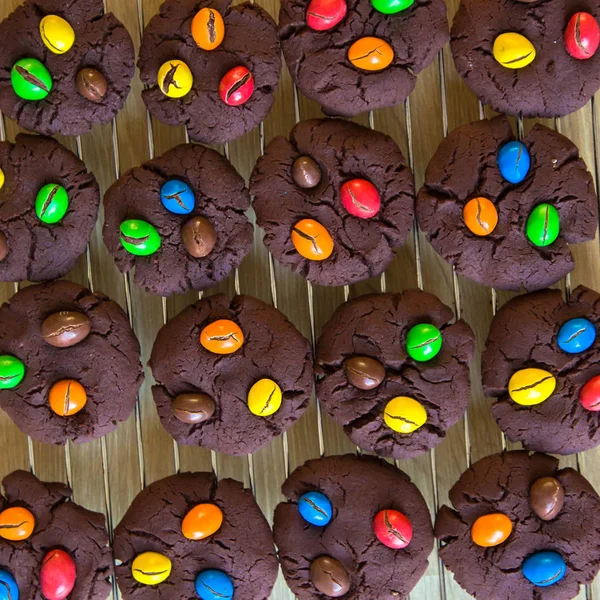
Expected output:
(199, 236)
(329, 576)
(66, 328)
(91, 84)
(306, 172)
(364, 372)
(547, 497)
(3, 246)
(193, 408)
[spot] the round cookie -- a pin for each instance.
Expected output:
(242, 547)
(105, 361)
(33, 249)
(343, 152)
(250, 41)
(465, 167)
(319, 61)
(553, 85)
(504, 484)
(524, 335)
(101, 43)
(358, 488)
(216, 192)
(270, 348)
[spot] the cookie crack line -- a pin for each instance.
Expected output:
(31, 78)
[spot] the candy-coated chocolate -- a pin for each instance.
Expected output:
(582, 36)
(175, 79)
(202, 521)
(544, 568)
(9, 590)
(423, 342)
(371, 54)
(3, 246)
(193, 408)
(513, 50)
(312, 240)
(391, 7)
(325, 14)
(329, 576)
(65, 328)
(177, 197)
(51, 203)
(16, 524)
(404, 415)
(222, 337)
(139, 237)
(208, 28)
(543, 225)
(213, 584)
(237, 86)
(57, 34)
(364, 372)
(30, 79)
(589, 395)
(264, 398)
(392, 529)
(306, 172)
(514, 161)
(491, 530)
(315, 508)
(576, 335)
(151, 568)
(2, 179)
(91, 84)
(12, 371)
(199, 236)
(67, 397)
(547, 497)
(360, 198)
(480, 216)
(529, 387)
(57, 575)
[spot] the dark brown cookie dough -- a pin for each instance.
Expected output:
(101, 42)
(242, 547)
(464, 167)
(106, 363)
(501, 483)
(376, 326)
(250, 41)
(343, 150)
(220, 196)
(273, 348)
(36, 250)
(358, 488)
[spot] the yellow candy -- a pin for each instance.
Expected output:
(404, 415)
(264, 398)
(57, 34)
(513, 50)
(1, 179)
(175, 79)
(151, 568)
(531, 386)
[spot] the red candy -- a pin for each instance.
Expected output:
(589, 396)
(237, 86)
(582, 36)
(57, 576)
(360, 198)
(325, 14)
(392, 529)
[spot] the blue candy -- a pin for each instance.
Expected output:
(9, 590)
(315, 508)
(177, 197)
(214, 585)
(514, 161)
(544, 568)
(576, 335)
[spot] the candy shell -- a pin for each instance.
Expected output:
(57, 34)
(529, 387)
(202, 521)
(544, 568)
(576, 335)
(491, 530)
(9, 590)
(151, 568)
(514, 161)
(177, 197)
(214, 585)
(315, 508)
(393, 529)
(57, 575)
(589, 395)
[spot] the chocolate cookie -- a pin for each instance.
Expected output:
(70, 365)
(366, 561)
(231, 374)
(350, 183)
(190, 204)
(197, 93)
(548, 346)
(380, 348)
(499, 233)
(35, 174)
(325, 68)
(198, 524)
(68, 39)
(518, 519)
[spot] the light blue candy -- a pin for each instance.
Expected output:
(315, 508)
(177, 197)
(576, 335)
(214, 585)
(544, 568)
(9, 590)
(514, 161)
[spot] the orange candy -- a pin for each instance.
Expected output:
(222, 337)
(208, 28)
(312, 240)
(67, 397)
(371, 54)
(491, 530)
(480, 216)
(16, 524)
(202, 521)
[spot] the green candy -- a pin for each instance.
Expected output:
(390, 7)
(139, 237)
(12, 371)
(51, 203)
(423, 342)
(30, 79)
(543, 225)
